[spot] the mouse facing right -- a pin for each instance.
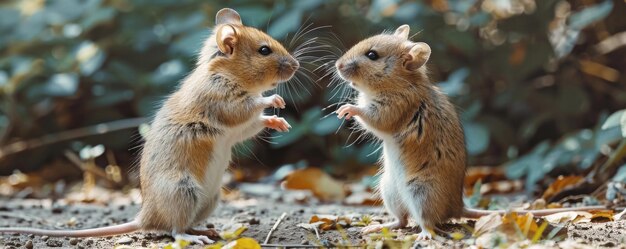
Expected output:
(424, 155)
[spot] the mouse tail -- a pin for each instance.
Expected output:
(477, 213)
(93, 232)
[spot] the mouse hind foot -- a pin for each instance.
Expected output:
(209, 232)
(195, 239)
(379, 227)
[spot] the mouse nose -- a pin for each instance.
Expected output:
(289, 63)
(340, 66)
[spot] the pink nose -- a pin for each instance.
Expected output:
(340, 66)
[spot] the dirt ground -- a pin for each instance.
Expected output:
(259, 215)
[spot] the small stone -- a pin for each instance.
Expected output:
(210, 225)
(121, 207)
(304, 242)
(124, 241)
(29, 244)
(54, 243)
(89, 242)
(57, 209)
(31, 236)
(44, 238)
(74, 241)
(144, 243)
(254, 221)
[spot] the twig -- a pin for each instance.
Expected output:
(98, 129)
(75, 159)
(269, 235)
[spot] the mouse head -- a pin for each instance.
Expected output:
(385, 61)
(253, 58)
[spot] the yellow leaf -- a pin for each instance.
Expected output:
(217, 245)
(539, 232)
(457, 236)
(231, 235)
(526, 223)
(243, 243)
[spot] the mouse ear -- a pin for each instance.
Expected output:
(226, 37)
(417, 56)
(403, 31)
(227, 16)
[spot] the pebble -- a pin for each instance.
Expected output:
(29, 244)
(124, 241)
(54, 243)
(74, 241)
(210, 225)
(304, 242)
(254, 221)
(57, 209)
(89, 242)
(44, 238)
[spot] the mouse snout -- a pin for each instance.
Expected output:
(289, 63)
(346, 69)
(287, 67)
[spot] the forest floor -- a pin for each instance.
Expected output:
(258, 215)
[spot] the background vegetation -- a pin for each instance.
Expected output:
(534, 80)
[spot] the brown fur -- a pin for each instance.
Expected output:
(398, 101)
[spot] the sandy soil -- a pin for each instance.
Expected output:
(258, 215)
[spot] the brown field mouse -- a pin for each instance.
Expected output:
(424, 156)
(188, 147)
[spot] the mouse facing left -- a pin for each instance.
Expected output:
(188, 147)
(423, 145)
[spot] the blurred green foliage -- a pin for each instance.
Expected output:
(522, 72)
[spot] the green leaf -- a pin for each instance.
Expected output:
(477, 138)
(288, 22)
(614, 120)
(590, 15)
(63, 84)
(326, 126)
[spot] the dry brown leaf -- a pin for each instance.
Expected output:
(561, 183)
(486, 224)
(601, 215)
(526, 223)
(569, 216)
(319, 183)
(328, 222)
(484, 173)
(363, 198)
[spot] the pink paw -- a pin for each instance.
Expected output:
(276, 123)
(275, 101)
(348, 111)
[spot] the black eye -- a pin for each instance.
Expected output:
(372, 55)
(265, 50)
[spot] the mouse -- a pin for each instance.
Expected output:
(188, 147)
(423, 146)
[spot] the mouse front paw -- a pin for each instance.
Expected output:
(348, 111)
(276, 123)
(275, 101)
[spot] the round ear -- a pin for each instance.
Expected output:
(227, 16)
(226, 37)
(403, 31)
(417, 56)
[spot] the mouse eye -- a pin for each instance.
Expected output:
(265, 50)
(372, 55)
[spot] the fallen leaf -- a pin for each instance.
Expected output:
(243, 243)
(328, 222)
(485, 174)
(178, 244)
(513, 223)
(363, 198)
(233, 231)
(486, 224)
(569, 216)
(620, 216)
(317, 181)
(601, 215)
(561, 183)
